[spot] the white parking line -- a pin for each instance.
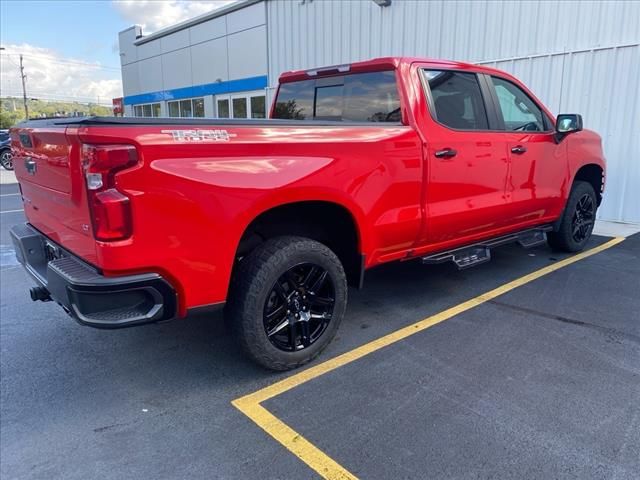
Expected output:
(12, 211)
(8, 194)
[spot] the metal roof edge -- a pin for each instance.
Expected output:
(196, 20)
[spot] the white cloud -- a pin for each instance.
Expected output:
(51, 76)
(153, 15)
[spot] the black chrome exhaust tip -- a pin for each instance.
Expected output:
(40, 293)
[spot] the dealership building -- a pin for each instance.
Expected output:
(577, 57)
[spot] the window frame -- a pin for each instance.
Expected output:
(330, 80)
(179, 102)
(487, 99)
(246, 96)
(491, 102)
(266, 109)
(141, 107)
(223, 98)
(239, 96)
(549, 126)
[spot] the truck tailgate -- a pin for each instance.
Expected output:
(47, 165)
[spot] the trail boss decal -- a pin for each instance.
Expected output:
(200, 135)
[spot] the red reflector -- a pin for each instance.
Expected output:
(105, 158)
(111, 215)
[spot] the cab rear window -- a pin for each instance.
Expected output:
(358, 97)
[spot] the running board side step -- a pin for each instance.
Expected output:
(480, 252)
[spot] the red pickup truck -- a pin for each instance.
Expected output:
(137, 220)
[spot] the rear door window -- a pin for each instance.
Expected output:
(456, 99)
(358, 97)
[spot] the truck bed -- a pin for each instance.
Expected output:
(196, 178)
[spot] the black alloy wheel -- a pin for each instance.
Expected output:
(299, 307)
(574, 227)
(6, 159)
(287, 299)
(583, 218)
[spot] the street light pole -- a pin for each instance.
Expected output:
(24, 90)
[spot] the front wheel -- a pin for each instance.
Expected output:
(6, 159)
(287, 300)
(577, 220)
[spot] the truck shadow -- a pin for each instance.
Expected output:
(394, 296)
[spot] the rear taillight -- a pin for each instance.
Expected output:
(110, 208)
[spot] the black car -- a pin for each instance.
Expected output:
(5, 150)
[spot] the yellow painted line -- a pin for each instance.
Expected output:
(324, 465)
(293, 441)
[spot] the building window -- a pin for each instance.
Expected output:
(174, 109)
(247, 105)
(258, 109)
(186, 109)
(240, 107)
(193, 107)
(223, 108)
(147, 110)
(198, 107)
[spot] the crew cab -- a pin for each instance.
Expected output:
(133, 220)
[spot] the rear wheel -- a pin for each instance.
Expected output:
(287, 300)
(577, 220)
(6, 159)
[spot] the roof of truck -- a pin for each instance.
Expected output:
(383, 63)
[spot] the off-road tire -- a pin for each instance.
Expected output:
(253, 280)
(563, 239)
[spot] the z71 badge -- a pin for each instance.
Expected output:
(200, 135)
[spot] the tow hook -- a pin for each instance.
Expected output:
(40, 293)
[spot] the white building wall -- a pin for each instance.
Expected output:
(578, 57)
(225, 48)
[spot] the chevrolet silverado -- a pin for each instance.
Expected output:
(139, 220)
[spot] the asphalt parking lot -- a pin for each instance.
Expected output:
(541, 381)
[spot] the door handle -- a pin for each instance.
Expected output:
(446, 153)
(518, 149)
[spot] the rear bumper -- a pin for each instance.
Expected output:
(86, 294)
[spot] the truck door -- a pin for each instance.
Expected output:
(466, 164)
(537, 180)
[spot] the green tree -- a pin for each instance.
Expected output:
(9, 119)
(12, 110)
(289, 109)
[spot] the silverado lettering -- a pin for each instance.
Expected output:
(199, 135)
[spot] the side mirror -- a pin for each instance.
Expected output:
(568, 123)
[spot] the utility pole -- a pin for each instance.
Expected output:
(24, 90)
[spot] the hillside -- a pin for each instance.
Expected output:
(12, 110)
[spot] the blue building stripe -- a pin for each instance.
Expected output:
(218, 88)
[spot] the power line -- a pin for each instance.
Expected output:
(53, 59)
(44, 95)
(40, 95)
(14, 89)
(62, 98)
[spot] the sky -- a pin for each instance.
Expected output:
(70, 48)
